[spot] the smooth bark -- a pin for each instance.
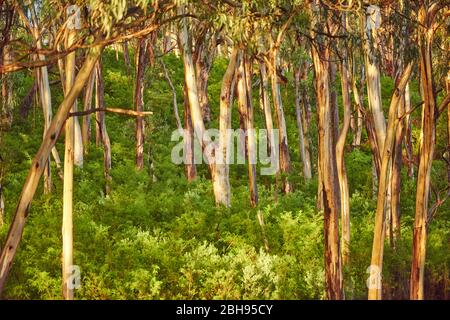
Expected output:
(101, 123)
(223, 156)
(371, 48)
(87, 104)
(327, 174)
(38, 165)
(265, 103)
(69, 158)
(246, 114)
(284, 158)
(376, 265)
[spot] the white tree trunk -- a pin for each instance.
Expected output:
(370, 43)
(222, 181)
(67, 223)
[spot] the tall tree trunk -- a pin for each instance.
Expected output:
(38, 166)
(334, 104)
(376, 265)
(101, 122)
(189, 144)
(448, 126)
(174, 95)
(6, 111)
(251, 134)
(373, 143)
(306, 109)
(87, 102)
(126, 56)
(398, 65)
(426, 17)
(399, 136)
(301, 135)
(285, 162)
(327, 166)
(408, 133)
(6, 103)
(370, 44)
(2, 207)
(246, 112)
(62, 75)
(358, 103)
(139, 102)
(223, 156)
(265, 102)
(340, 160)
(67, 223)
(396, 177)
(78, 141)
(204, 55)
(332, 69)
(306, 115)
(45, 97)
(195, 109)
(2, 198)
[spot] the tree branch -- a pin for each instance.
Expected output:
(127, 112)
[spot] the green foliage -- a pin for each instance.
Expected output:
(158, 237)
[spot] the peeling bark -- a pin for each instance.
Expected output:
(426, 151)
(246, 113)
(328, 178)
(386, 160)
(223, 157)
(370, 44)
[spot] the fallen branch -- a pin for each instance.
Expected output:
(113, 110)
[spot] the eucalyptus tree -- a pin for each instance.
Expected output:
(370, 25)
(69, 159)
(199, 129)
(104, 25)
(320, 52)
(429, 15)
(297, 48)
(340, 147)
(142, 59)
(100, 125)
(228, 19)
(43, 85)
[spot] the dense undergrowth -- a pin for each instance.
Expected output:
(158, 237)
